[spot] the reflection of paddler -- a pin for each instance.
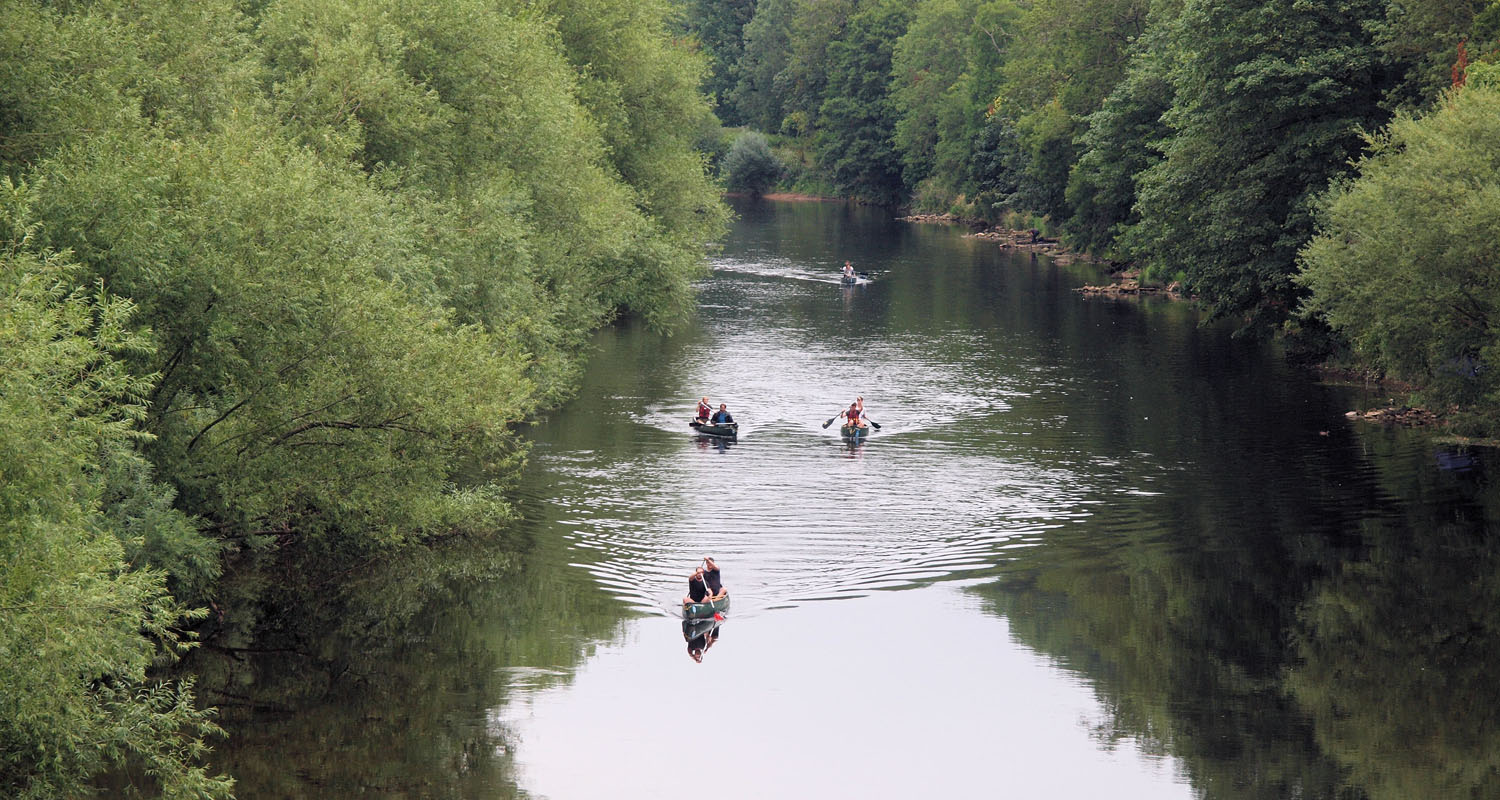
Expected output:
(700, 635)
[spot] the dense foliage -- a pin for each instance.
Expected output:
(284, 275)
(750, 166)
(1193, 137)
(1415, 290)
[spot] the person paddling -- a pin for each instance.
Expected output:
(848, 270)
(705, 583)
(721, 417)
(704, 410)
(855, 413)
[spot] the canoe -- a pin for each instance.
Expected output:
(847, 281)
(728, 430)
(854, 431)
(706, 609)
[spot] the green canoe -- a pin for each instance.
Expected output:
(705, 610)
(854, 431)
(728, 430)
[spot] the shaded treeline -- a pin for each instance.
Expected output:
(1196, 139)
(283, 276)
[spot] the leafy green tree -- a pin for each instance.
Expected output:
(304, 393)
(720, 26)
(640, 86)
(1119, 144)
(70, 71)
(1404, 261)
(925, 66)
(761, 93)
(78, 629)
(1269, 100)
(855, 122)
(750, 165)
(1422, 37)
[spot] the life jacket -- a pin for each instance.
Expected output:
(853, 415)
(704, 410)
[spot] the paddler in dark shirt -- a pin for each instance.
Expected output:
(704, 583)
(712, 578)
(721, 417)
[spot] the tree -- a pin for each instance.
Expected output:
(719, 26)
(1119, 144)
(856, 123)
(924, 69)
(1269, 100)
(761, 91)
(1422, 38)
(78, 628)
(1404, 261)
(750, 166)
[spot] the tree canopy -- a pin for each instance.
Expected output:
(304, 264)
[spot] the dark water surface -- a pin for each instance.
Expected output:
(1095, 550)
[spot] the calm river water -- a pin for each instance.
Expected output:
(1095, 550)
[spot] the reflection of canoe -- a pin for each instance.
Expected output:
(706, 609)
(695, 628)
(854, 431)
(728, 430)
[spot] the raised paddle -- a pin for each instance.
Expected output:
(831, 419)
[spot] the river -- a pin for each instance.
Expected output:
(1096, 549)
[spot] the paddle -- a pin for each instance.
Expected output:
(872, 422)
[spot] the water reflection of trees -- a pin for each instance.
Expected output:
(1399, 652)
(386, 684)
(1280, 657)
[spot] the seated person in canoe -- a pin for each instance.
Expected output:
(704, 410)
(855, 413)
(721, 417)
(705, 583)
(848, 270)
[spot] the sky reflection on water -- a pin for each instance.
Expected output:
(904, 695)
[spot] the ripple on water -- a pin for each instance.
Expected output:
(949, 486)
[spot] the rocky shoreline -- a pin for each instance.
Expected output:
(1405, 416)
(1027, 240)
(1130, 285)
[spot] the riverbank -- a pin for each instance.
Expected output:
(790, 197)
(1029, 240)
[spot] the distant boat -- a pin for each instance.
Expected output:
(848, 280)
(728, 430)
(706, 609)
